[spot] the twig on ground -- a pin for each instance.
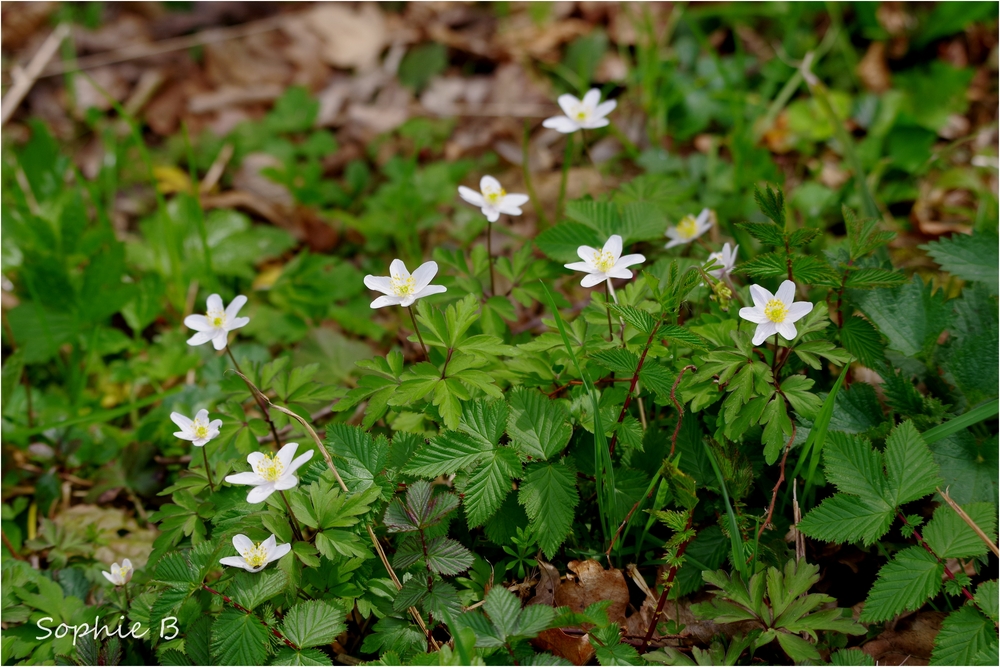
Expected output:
(24, 79)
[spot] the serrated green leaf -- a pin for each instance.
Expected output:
(963, 634)
(844, 518)
(911, 316)
(253, 588)
(852, 657)
(950, 537)
(904, 583)
(538, 426)
(874, 277)
(854, 467)
(617, 360)
(548, 494)
(503, 608)
(909, 464)
(484, 419)
(446, 453)
(682, 336)
(970, 257)
(767, 265)
(642, 320)
(489, 484)
(860, 338)
(988, 599)
(310, 656)
(360, 458)
(447, 557)
(767, 233)
(313, 623)
(561, 241)
(240, 639)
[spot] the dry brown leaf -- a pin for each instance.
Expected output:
(909, 642)
(352, 38)
(873, 70)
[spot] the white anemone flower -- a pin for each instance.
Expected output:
(689, 228)
(401, 288)
(493, 200)
(271, 472)
(255, 557)
(217, 323)
(775, 313)
(604, 264)
(119, 576)
(200, 431)
(586, 114)
(726, 261)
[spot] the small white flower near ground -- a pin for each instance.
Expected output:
(400, 287)
(119, 576)
(255, 557)
(217, 323)
(604, 264)
(271, 472)
(775, 313)
(586, 114)
(493, 199)
(689, 228)
(725, 260)
(200, 431)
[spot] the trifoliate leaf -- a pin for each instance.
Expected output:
(538, 426)
(253, 588)
(484, 419)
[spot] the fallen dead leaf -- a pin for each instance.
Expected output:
(873, 70)
(352, 39)
(910, 641)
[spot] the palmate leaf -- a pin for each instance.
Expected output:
(548, 494)
(313, 623)
(950, 537)
(538, 426)
(970, 257)
(489, 484)
(963, 634)
(904, 583)
(239, 639)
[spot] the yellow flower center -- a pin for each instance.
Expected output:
(604, 261)
(217, 318)
(200, 430)
(581, 113)
(403, 286)
(495, 196)
(270, 468)
(255, 556)
(687, 228)
(776, 310)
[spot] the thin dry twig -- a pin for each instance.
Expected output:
(967, 519)
(680, 408)
(774, 493)
(25, 79)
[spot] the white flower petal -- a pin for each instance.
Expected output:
(245, 478)
(488, 184)
(234, 561)
(471, 196)
(384, 301)
(591, 99)
(259, 494)
(579, 266)
(110, 577)
(233, 309)
(287, 453)
(379, 283)
(676, 242)
(786, 329)
(220, 340)
(242, 543)
(798, 310)
(286, 482)
(184, 435)
(629, 260)
(492, 213)
(568, 103)
(237, 323)
(596, 123)
(215, 425)
(604, 108)
(755, 315)
(215, 302)
(515, 200)
(786, 292)
(429, 290)
(560, 124)
(760, 296)
(614, 246)
(592, 279)
(397, 268)
(201, 337)
(279, 552)
(620, 272)
(180, 420)
(202, 416)
(764, 331)
(198, 323)
(269, 544)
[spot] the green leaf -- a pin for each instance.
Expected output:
(968, 467)
(682, 336)
(766, 265)
(309, 656)
(911, 317)
(860, 338)
(851, 657)
(844, 518)
(12, 369)
(903, 584)
(908, 461)
(963, 634)
(538, 426)
(548, 494)
(561, 241)
(972, 257)
(854, 467)
(503, 608)
(797, 648)
(252, 588)
(643, 321)
(971, 357)
(313, 623)
(489, 484)
(873, 277)
(988, 599)
(771, 203)
(950, 537)
(484, 419)
(446, 453)
(362, 458)
(239, 639)
(804, 402)
(447, 557)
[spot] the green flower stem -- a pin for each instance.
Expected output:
(257, 396)
(489, 251)
(208, 469)
(543, 221)
(291, 518)
(417, 329)
(567, 159)
(607, 307)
